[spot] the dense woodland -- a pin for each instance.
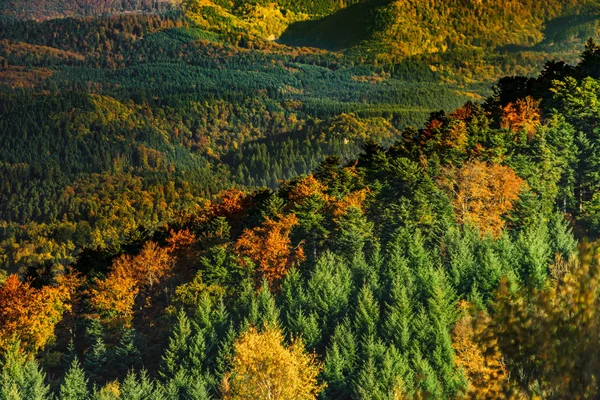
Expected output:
(443, 265)
(194, 213)
(117, 124)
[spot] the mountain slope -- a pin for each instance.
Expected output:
(409, 27)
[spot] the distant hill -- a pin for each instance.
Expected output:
(47, 9)
(410, 27)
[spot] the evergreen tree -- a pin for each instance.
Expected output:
(340, 362)
(397, 317)
(267, 309)
(366, 318)
(75, 384)
(127, 355)
(96, 360)
(328, 290)
(177, 348)
(21, 378)
(534, 249)
(563, 242)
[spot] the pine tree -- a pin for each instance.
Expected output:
(460, 248)
(186, 385)
(340, 362)
(367, 382)
(328, 291)
(75, 384)
(96, 361)
(34, 387)
(397, 317)
(267, 309)
(178, 346)
(141, 389)
(366, 318)
(534, 249)
(353, 233)
(426, 382)
(127, 355)
(21, 377)
(563, 242)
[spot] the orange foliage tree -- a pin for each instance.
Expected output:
(524, 114)
(31, 314)
(114, 297)
(482, 193)
(352, 199)
(232, 202)
(304, 188)
(269, 247)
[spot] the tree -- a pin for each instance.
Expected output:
(269, 246)
(30, 313)
(264, 368)
(340, 362)
(139, 389)
(21, 377)
(482, 193)
(178, 344)
(522, 115)
(114, 297)
(75, 384)
(127, 355)
(483, 365)
(152, 264)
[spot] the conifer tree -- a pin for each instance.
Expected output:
(96, 360)
(328, 290)
(366, 318)
(563, 242)
(127, 355)
(177, 347)
(21, 377)
(397, 317)
(535, 254)
(75, 384)
(267, 309)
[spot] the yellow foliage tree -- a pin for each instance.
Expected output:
(482, 364)
(114, 297)
(304, 188)
(263, 368)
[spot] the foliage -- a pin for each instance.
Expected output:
(264, 368)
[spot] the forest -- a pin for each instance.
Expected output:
(192, 212)
(456, 262)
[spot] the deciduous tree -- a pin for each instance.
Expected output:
(263, 368)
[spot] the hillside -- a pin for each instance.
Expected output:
(435, 265)
(166, 116)
(299, 199)
(47, 9)
(405, 27)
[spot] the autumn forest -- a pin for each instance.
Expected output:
(295, 200)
